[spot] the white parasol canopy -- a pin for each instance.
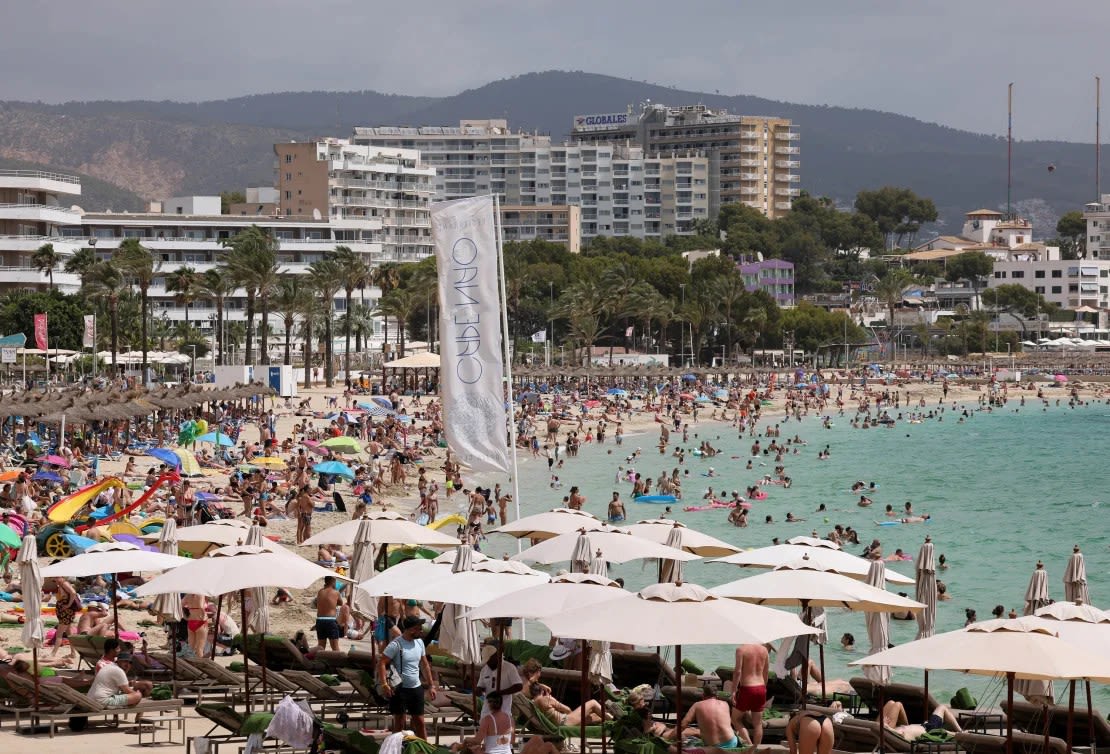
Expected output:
(663, 614)
(396, 580)
(229, 569)
(799, 584)
(484, 582)
(878, 626)
(1023, 647)
(112, 557)
(926, 589)
(565, 592)
(30, 579)
(386, 527)
(362, 569)
(168, 605)
(660, 529)
(825, 558)
(617, 546)
(813, 541)
(550, 524)
(1075, 578)
(201, 539)
(458, 634)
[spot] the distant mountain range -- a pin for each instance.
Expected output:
(159, 149)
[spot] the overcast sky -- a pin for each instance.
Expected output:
(941, 61)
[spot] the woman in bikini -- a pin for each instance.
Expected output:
(66, 606)
(196, 616)
(560, 713)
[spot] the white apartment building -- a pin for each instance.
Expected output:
(386, 191)
(1069, 283)
(621, 191)
(33, 205)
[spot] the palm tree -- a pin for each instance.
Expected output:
(185, 284)
(401, 304)
(361, 319)
(326, 277)
(386, 276)
(355, 273)
(252, 262)
(45, 260)
(729, 291)
(583, 305)
(619, 283)
(216, 285)
(889, 289)
(103, 281)
(700, 313)
(289, 301)
(82, 259)
(309, 309)
(136, 261)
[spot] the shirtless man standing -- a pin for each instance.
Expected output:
(328, 601)
(749, 683)
(713, 719)
(304, 509)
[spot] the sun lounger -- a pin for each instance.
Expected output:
(281, 654)
(237, 724)
(912, 697)
(1031, 719)
(89, 649)
(69, 704)
(1024, 743)
(855, 734)
(320, 691)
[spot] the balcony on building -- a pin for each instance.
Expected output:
(788, 192)
(787, 135)
(788, 164)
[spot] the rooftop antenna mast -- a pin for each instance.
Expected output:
(1098, 139)
(1009, 150)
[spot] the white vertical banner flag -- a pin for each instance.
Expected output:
(471, 371)
(89, 338)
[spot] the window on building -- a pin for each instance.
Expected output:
(999, 274)
(288, 176)
(288, 158)
(1057, 289)
(1039, 274)
(1057, 273)
(1018, 274)
(1039, 289)
(288, 194)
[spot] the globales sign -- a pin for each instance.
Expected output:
(600, 121)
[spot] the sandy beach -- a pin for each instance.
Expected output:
(299, 614)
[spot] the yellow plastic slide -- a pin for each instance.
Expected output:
(66, 508)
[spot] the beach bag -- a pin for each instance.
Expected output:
(392, 671)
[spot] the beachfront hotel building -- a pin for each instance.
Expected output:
(620, 190)
(753, 159)
(34, 204)
(774, 277)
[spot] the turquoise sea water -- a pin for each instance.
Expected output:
(1004, 489)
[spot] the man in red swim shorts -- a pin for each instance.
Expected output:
(749, 683)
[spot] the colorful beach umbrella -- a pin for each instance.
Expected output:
(316, 447)
(9, 537)
(220, 439)
(342, 444)
(10, 476)
(187, 462)
(166, 456)
(335, 468)
(47, 476)
(272, 462)
(55, 460)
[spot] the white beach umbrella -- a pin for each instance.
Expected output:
(1075, 579)
(617, 546)
(169, 605)
(395, 581)
(926, 591)
(112, 557)
(567, 591)
(550, 524)
(30, 580)
(822, 557)
(387, 527)
(1073, 611)
(258, 614)
(878, 626)
(482, 583)
(659, 530)
(200, 539)
(458, 634)
(362, 569)
(667, 614)
(233, 568)
(671, 570)
(1019, 648)
(802, 585)
(1036, 594)
(813, 541)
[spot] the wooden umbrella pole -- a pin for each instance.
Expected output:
(216, 633)
(35, 662)
(1090, 715)
(678, 699)
(1071, 711)
(583, 691)
(882, 722)
(1047, 720)
(925, 697)
(1010, 713)
(246, 660)
(821, 654)
(175, 630)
